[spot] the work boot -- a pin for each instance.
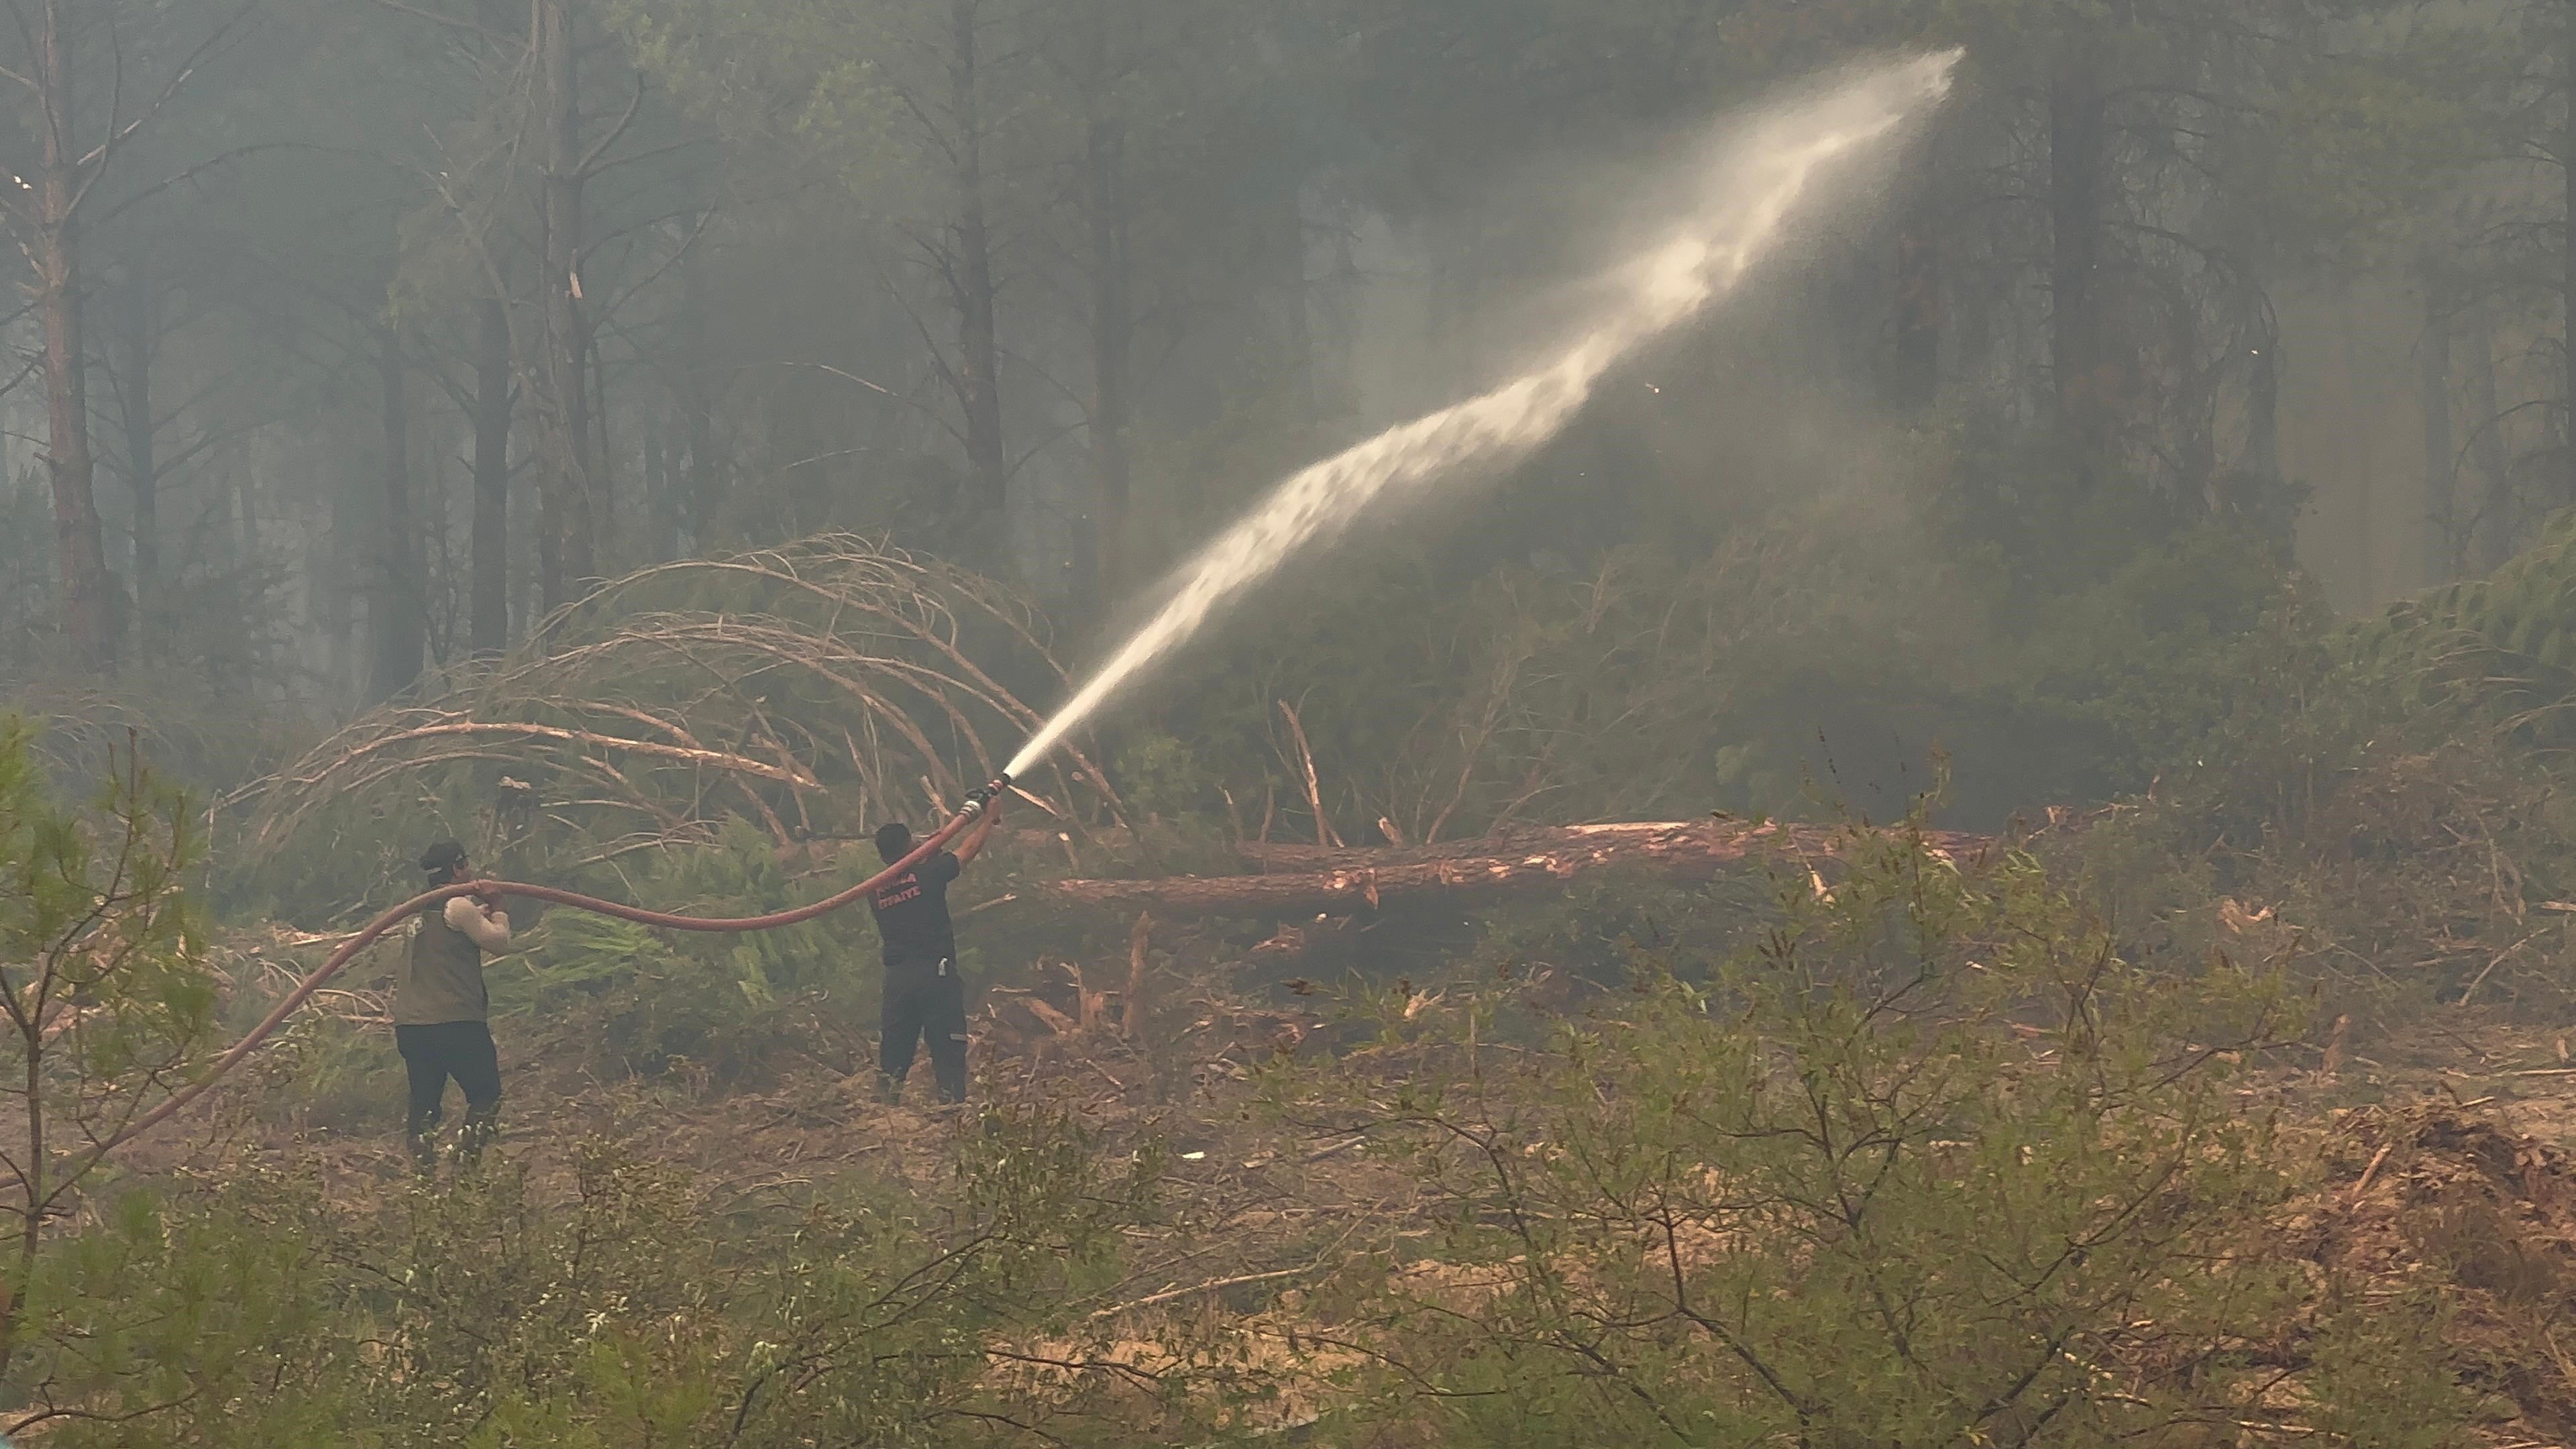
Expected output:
(889, 1091)
(424, 1153)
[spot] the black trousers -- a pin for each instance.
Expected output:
(459, 1049)
(924, 999)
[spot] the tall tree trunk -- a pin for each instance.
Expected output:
(2492, 535)
(979, 349)
(489, 629)
(603, 463)
(659, 516)
(142, 467)
(2444, 541)
(1917, 378)
(697, 410)
(1113, 328)
(2078, 144)
(80, 548)
(567, 562)
(398, 600)
(2261, 492)
(1296, 306)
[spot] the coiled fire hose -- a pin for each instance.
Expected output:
(978, 800)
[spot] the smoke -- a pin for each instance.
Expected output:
(1744, 204)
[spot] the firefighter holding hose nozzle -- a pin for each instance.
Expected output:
(442, 1011)
(924, 996)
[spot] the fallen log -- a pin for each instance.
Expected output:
(1313, 879)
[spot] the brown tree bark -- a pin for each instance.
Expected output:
(489, 627)
(1320, 879)
(80, 551)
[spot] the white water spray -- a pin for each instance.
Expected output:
(1757, 187)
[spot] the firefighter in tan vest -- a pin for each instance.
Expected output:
(442, 1012)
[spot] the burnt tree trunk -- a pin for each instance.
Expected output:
(80, 550)
(489, 630)
(398, 602)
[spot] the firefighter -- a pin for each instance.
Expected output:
(924, 996)
(442, 1013)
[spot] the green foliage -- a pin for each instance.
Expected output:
(1162, 776)
(627, 998)
(1599, 926)
(632, 1305)
(2501, 649)
(2154, 656)
(193, 1299)
(105, 1002)
(1929, 1165)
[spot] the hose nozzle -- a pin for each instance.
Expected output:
(982, 796)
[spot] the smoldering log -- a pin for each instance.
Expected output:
(1308, 878)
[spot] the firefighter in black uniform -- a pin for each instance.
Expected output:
(924, 996)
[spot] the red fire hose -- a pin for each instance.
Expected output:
(977, 801)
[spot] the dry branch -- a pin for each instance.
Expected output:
(805, 688)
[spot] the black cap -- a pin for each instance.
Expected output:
(443, 857)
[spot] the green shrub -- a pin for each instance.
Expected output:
(624, 998)
(635, 1305)
(1927, 1165)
